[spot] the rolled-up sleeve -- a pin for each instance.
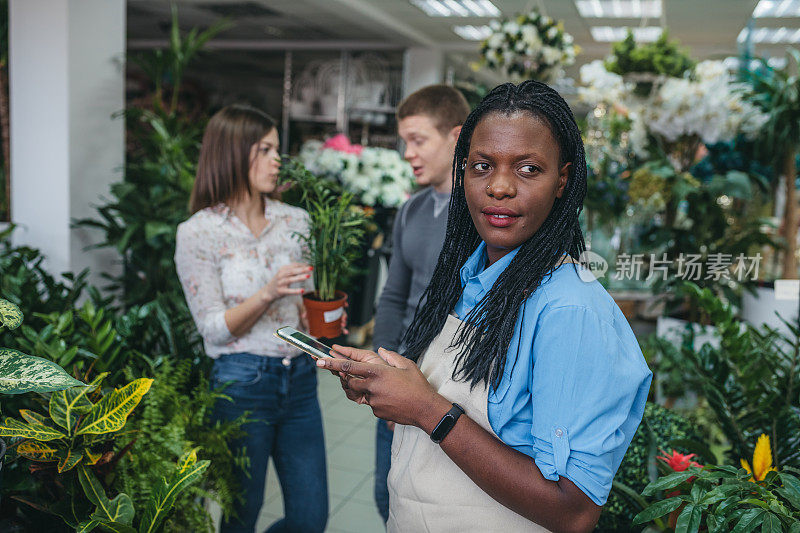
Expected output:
(589, 387)
(200, 280)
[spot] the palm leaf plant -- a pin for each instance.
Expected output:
(749, 377)
(777, 92)
(335, 238)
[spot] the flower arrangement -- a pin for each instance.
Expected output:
(530, 46)
(705, 105)
(375, 176)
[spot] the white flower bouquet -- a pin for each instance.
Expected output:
(531, 46)
(707, 105)
(375, 176)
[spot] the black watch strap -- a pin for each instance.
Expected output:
(446, 423)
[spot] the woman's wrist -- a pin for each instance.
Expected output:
(265, 296)
(431, 412)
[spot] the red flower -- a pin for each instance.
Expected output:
(679, 462)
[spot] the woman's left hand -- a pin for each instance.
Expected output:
(395, 388)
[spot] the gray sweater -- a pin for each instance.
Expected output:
(417, 239)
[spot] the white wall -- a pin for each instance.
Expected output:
(66, 78)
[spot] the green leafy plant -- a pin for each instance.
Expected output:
(77, 441)
(662, 57)
(724, 498)
(721, 217)
(170, 417)
(777, 93)
(336, 228)
(20, 372)
(660, 428)
(749, 378)
(171, 63)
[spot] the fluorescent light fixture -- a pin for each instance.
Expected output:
(473, 33)
(609, 34)
(771, 35)
(457, 8)
(619, 9)
(777, 9)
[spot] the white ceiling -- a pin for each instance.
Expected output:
(708, 27)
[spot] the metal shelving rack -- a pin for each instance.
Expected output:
(347, 115)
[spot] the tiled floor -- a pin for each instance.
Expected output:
(350, 443)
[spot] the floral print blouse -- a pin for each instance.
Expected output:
(221, 263)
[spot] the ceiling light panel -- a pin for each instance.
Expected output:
(457, 8)
(771, 35)
(619, 8)
(609, 34)
(473, 33)
(777, 9)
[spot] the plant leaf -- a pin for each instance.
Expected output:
(32, 417)
(162, 498)
(657, 510)
(111, 413)
(667, 482)
(68, 459)
(120, 509)
(771, 524)
(689, 519)
(37, 451)
(10, 315)
(116, 527)
(92, 458)
(86, 527)
(749, 520)
(20, 373)
(67, 405)
(14, 428)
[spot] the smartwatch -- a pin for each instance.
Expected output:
(446, 423)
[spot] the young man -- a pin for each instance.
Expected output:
(429, 122)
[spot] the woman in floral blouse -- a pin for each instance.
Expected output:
(240, 263)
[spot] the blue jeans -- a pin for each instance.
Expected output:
(383, 462)
(281, 396)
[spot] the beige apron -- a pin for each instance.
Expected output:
(427, 490)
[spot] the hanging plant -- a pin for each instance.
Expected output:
(529, 46)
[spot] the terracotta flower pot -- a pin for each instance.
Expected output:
(325, 317)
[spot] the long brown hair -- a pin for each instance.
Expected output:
(223, 171)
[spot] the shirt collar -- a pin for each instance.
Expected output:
(475, 267)
(224, 211)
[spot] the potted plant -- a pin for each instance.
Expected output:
(776, 93)
(20, 372)
(332, 244)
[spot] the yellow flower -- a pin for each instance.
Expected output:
(762, 460)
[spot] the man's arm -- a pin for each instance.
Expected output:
(392, 303)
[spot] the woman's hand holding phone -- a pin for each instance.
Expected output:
(390, 384)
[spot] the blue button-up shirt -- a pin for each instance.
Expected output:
(575, 382)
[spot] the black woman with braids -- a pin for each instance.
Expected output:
(523, 383)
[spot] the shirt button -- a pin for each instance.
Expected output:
(286, 361)
(559, 433)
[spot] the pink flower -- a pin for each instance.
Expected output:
(341, 143)
(679, 462)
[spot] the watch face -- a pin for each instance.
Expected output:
(443, 428)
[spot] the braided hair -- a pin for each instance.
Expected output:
(488, 329)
